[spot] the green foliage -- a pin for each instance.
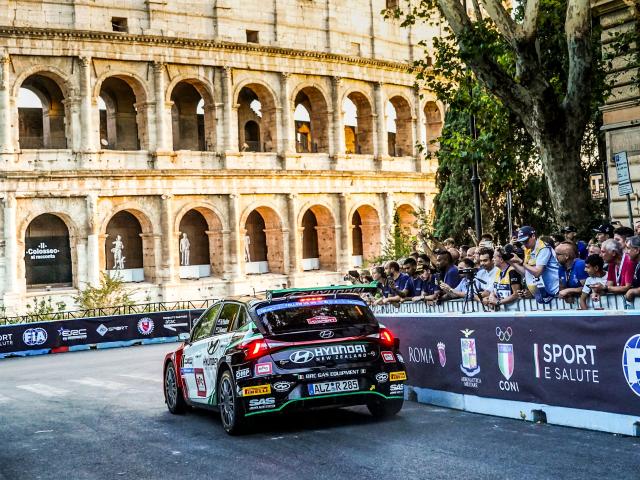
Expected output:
(43, 309)
(398, 244)
(111, 292)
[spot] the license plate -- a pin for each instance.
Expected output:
(333, 387)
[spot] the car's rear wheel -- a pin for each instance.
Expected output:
(172, 392)
(230, 405)
(384, 408)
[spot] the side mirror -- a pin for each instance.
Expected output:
(184, 336)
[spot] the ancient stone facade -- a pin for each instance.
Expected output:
(200, 149)
(621, 113)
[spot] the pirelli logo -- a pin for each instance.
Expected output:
(258, 390)
(396, 376)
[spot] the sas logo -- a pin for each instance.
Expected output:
(262, 403)
(388, 357)
(396, 376)
(264, 368)
(257, 390)
(145, 326)
(396, 388)
(34, 336)
(382, 377)
(631, 363)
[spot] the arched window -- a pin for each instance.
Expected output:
(434, 125)
(358, 122)
(365, 235)
(118, 119)
(187, 118)
(316, 127)
(400, 127)
(303, 129)
(263, 242)
(41, 114)
(310, 253)
(48, 252)
(256, 119)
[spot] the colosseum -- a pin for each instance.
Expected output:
(205, 148)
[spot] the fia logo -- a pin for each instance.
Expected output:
(631, 363)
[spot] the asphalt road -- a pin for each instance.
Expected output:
(101, 415)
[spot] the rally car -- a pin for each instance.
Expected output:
(290, 349)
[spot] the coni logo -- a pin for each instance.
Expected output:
(631, 363)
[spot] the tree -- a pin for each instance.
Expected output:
(110, 293)
(539, 62)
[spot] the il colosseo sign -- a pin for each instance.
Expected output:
(579, 361)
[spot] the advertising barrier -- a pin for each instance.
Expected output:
(101, 332)
(585, 361)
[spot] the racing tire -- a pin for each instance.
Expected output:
(384, 408)
(173, 396)
(230, 405)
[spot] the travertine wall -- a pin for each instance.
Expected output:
(621, 112)
(138, 161)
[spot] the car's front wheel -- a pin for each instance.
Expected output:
(384, 408)
(172, 391)
(230, 405)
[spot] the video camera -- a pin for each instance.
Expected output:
(469, 272)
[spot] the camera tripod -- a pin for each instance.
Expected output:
(472, 292)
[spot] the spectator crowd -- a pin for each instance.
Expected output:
(530, 266)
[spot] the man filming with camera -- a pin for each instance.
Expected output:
(399, 285)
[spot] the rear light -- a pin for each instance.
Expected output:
(255, 349)
(310, 299)
(386, 337)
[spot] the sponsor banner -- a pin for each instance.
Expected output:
(59, 335)
(575, 361)
(257, 390)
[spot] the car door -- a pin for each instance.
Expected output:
(192, 363)
(217, 344)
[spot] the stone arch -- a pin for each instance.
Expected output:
(192, 129)
(318, 227)
(213, 234)
(62, 273)
(316, 131)
(256, 102)
(403, 142)
(407, 218)
(363, 134)
(263, 240)
(433, 124)
(46, 126)
(365, 234)
(134, 227)
(124, 123)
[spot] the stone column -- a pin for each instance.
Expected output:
(344, 254)
(88, 139)
(162, 131)
(387, 216)
(419, 122)
(73, 130)
(235, 254)
(6, 137)
(93, 241)
(380, 146)
(168, 247)
(294, 237)
(338, 128)
(11, 244)
(230, 117)
(287, 141)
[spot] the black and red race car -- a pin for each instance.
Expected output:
(294, 348)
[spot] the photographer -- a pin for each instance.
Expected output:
(462, 289)
(507, 283)
(428, 291)
(399, 285)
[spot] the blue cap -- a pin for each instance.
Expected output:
(524, 233)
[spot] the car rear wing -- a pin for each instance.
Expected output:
(358, 288)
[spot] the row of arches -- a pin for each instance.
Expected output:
(123, 111)
(128, 244)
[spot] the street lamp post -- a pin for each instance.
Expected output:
(475, 178)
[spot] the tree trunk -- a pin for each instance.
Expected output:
(568, 190)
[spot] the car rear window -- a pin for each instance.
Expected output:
(314, 314)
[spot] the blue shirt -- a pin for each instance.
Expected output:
(582, 250)
(427, 287)
(403, 282)
(452, 277)
(572, 277)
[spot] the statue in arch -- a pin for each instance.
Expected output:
(184, 250)
(118, 259)
(247, 254)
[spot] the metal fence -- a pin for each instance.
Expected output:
(608, 302)
(110, 311)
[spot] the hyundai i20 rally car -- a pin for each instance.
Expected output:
(292, 349)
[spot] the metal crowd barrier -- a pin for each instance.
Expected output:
(110, 311)
(608, 302)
